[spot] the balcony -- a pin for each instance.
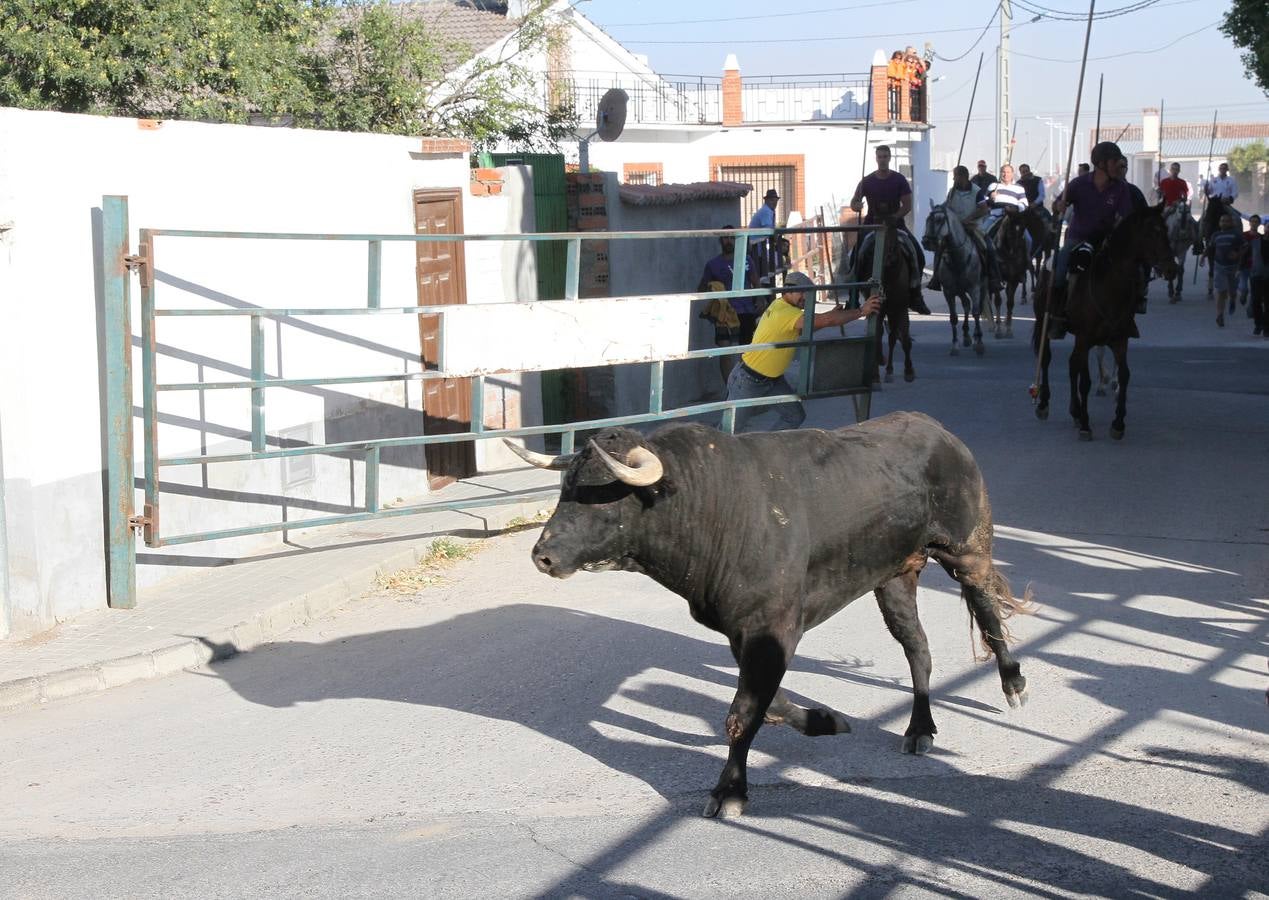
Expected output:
(698, 99)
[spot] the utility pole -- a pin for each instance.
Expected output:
(1002, 85)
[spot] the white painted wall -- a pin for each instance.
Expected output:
(54, 170)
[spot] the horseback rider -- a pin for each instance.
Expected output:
(970, 203)
(889, 194)
(1033, 185)
(1097, 201)
(1174, 188)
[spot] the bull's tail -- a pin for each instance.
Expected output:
(1004, 604)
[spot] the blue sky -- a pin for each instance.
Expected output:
(1199, 74)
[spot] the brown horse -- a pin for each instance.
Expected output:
(1101, 306)
(1015, 263)
(896, 272)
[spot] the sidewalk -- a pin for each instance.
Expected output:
(251, 601)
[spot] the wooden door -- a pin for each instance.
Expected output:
(441, 280)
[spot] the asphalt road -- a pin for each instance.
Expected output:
(502, 734)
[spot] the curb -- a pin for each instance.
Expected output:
(263, 628)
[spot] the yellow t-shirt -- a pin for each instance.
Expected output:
(781, 322)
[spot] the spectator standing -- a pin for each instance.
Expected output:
(765, 249)
(1173, 188)
(761, 372)
(734, 318)
(1225, 251)
(1259, 254)
(896, 78)
(1251, 235)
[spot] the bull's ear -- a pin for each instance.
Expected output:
(541, 460)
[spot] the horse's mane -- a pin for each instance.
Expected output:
(1122, 232)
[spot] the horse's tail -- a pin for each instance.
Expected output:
(1040, 296)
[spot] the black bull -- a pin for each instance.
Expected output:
(768, 535)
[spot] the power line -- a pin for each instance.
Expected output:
(771, 15)
(1062, 15)
(952, 59)
(1126, 52)
(804, 39)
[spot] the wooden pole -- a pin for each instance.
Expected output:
(969, 112)
(1207, 184)
(1066, 183)
(1097, 131)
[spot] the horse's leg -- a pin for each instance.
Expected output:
(967, 309)
(892, 332)
(951, 314)
(997, 313)
(1080, 384)
(1046, 356)
(905, 325)
(1120, 349)
(1009, 308)
(978, 327)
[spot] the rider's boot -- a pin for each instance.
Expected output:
(934, 284)
(916, 302)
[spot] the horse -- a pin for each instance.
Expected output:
(960, 271)
(1043, 229)
(1182, 236)
(896, 272)
(1015, 263)
(1100, 309)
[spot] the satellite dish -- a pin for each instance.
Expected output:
(610, 118)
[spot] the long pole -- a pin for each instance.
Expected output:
(1097, 133)
(1158, 168)
(969, 112)
(1066, 183)
(863, 157)
(1013, 140)
(1207, 183)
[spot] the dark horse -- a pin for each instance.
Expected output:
(1015, 263)
(896, 272)
(1100, 310)
(1043, 230)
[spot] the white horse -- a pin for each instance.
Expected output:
(959, 270)
(1182, 236)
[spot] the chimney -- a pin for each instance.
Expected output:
(1150, 130)
(733, 109)
(880, 88)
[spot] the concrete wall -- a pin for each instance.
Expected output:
(54, 170)
(664, 267)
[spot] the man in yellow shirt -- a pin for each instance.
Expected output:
(761, 372)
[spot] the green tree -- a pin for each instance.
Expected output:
(384, 67)
(1247, 25)
(215, 60)
(1244, 158)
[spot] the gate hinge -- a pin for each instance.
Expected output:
(147, 524)
(139, 262)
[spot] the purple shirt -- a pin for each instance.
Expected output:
(1094, 210)
(720, 269)
(883, 193)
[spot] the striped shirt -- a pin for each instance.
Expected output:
(1014, 195)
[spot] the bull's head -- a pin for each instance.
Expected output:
(605, 486)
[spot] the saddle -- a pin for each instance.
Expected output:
(861, 264)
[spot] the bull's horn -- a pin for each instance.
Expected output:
(641, 468)
(541, 460)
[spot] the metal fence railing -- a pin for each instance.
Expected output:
(851, 375)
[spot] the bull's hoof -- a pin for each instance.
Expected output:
(822, 721)
(1017, 699)
(918, 744)
(1042, 413)
(1116, 433)
(727, 807)
(889, 377)
(1086, 434)
(909, 375)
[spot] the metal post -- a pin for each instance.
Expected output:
(372, 479)
(149, 395)
(654, 392)
(257, 393)
(121, 581)
(478, 404)
(572, 268)
(374, 274)
(1002, 86)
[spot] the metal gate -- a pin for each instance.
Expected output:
(763, 179)
(833, 367)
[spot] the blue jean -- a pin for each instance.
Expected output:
(745, 384)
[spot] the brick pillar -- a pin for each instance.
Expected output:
(733, 108)
(880, 94)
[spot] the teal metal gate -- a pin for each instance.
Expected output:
(851, 359)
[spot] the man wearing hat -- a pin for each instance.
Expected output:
(765, 217)
(983, 180)
(761, 372)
